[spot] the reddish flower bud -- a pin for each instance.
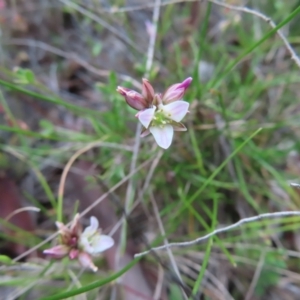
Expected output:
(133, 98)
(147, 91)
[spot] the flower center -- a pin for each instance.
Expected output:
(161, 118)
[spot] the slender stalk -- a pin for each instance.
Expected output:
(224, 229)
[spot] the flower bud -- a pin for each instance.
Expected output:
(86, 261)
(133, 98)
(147, 91)
(185, 83)
(176, 91)
(59, 251)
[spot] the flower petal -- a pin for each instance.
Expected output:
(146, 116)
(176, 110)
(92, 229)
(102, 243)
(85, 244)
(163, 136)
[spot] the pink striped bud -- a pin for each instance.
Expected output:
(59, 251)
(176, 91)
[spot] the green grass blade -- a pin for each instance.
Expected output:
(53, 100)
(217, 81)
(93, 285)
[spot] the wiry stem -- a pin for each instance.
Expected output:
(224, 229)
(150, 53)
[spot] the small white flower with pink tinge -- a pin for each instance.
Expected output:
(92, 241)
(159, 114)
(163, 120)
(80, 245)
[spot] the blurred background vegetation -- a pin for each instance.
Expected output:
(60, 64)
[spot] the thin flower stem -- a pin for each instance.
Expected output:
(144, 188)
(150, 54)
(224, 229)
(130, 188)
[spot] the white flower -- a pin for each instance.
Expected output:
(92, 241)
(162, 121)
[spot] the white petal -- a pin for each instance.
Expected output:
(176, 110)
(102, 243)
(90, 230)
(163, 136)
(146, 116)
(86, 245)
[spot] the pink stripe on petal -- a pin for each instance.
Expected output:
(176, 110)
(146, 116)
(163, 136)
(174, 95)
(186, 83)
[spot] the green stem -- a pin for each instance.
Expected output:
(208, 249)
(93, 285)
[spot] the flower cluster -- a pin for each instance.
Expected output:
(160, 114)
(81, 245)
